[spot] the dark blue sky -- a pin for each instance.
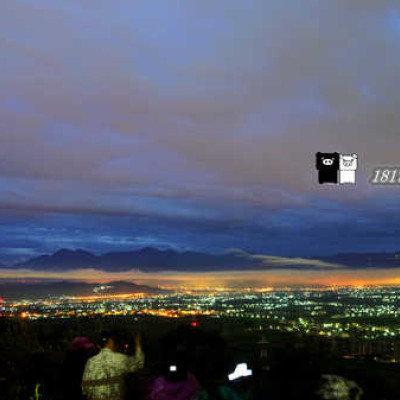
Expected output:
(194, 125)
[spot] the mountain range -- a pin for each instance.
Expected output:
(148, 259)
(151, 259)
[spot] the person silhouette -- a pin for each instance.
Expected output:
(104, 375)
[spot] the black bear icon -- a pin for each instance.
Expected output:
(328, 167)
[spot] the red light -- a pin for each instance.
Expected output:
(194, 324)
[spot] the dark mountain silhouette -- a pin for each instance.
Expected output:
(62, 259)
(365, 260)
(146, 259)
(18, 290)
(151, 259)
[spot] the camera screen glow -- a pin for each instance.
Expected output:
(241, 370)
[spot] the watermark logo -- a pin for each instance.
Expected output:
(385, 176)
(336, 168)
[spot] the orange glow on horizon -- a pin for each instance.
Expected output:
(107, 296)
(221, 281)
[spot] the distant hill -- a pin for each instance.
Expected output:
(18, 290)
(365, 260)
(63, 259)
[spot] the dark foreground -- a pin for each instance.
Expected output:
(33, 354)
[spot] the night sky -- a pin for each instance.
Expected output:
(193, 125)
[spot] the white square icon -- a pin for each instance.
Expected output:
(347, 168)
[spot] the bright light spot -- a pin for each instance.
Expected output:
(240, 371)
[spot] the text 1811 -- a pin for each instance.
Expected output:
(386, 176)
